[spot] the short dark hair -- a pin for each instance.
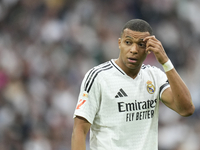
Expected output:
(138, 25)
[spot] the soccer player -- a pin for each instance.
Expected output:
(119, 99)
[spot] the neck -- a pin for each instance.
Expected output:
(130, 72)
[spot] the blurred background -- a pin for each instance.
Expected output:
(46, 47)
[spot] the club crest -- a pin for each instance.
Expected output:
(150, 87)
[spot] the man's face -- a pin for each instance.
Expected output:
(132, 49)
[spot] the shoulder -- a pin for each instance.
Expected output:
(99, 68)
(156, 73)
(150, 68)
(95, 73)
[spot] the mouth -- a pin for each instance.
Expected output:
(132, 60)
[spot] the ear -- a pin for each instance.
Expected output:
(119, 42)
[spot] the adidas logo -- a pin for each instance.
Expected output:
(121, 93)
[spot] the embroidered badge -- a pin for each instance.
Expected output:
(150, 87)
(85, 95)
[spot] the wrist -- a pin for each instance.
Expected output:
(168, 66)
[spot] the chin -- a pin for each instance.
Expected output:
(133, 67)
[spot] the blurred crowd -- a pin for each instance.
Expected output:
(46, 47)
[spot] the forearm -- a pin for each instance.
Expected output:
(181, 94)
(178, 96)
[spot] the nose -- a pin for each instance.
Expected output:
(134, 49)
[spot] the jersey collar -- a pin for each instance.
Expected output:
(120, 70)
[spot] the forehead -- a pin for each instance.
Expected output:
(134, 34)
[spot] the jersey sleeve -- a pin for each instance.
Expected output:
(162, 81)
(89, 98)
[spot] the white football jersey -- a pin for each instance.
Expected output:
(123, 112)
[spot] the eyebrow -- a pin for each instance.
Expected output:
(129, 37)
(140, 40)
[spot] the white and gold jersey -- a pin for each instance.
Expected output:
(123, 112)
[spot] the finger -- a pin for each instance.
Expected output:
(149, 37)
(152, 46)
(150, 49)
(154, 41)
(151, 43)
(148, 52)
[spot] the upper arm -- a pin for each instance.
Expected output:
(81, 125)
(80, 130)
(168, 99)
(177, 96)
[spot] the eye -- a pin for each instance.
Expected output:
(128, 42)
(143, 45)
